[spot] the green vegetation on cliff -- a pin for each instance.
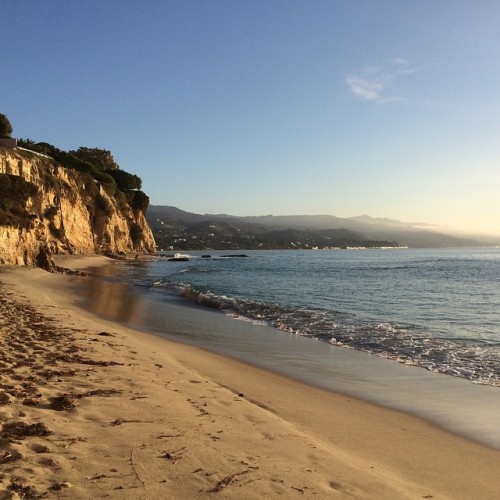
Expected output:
(14, 193)
(99, 163)
(54, 201)
(101, 167)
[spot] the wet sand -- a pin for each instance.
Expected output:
(92, 409)
(453, 403)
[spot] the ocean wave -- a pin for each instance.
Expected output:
(478, 362)
(196, 269)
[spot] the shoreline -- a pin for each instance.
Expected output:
(453, 403)
(179, 422)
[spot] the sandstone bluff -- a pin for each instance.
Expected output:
(47, 208)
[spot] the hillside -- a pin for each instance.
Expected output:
(406, 234)
(180, 230)
(47, 208)
(175, 229)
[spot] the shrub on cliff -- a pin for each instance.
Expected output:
(124, 180)
(5, 184)
(140, 201)
(102, 204)
(107, 182)
(136, 233)
(107, 171)
(5, 126)
(100, 165)
(14, 193)
(66, 159)
(14, 190)
(70, 161)
(40, 147)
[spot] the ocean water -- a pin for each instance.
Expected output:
(436, 309)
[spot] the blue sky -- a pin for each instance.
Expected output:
(385, 108)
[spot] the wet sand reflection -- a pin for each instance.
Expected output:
(110, 299)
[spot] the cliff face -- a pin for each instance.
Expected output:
(66, 212)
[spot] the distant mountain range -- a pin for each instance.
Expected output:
(175, 229)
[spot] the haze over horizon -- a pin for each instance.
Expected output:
(489, 238)
(388, 108)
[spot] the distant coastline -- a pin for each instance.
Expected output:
(177, 230)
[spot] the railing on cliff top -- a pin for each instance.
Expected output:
(35, 152)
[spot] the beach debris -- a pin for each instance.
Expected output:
(32, 401)
(23, 490)
(68, 401)
(97, 477)
(174, 457)
(36, 352)
(5, 398)
(120, 421)
(85, 361)
(10, 456)
(227, 481)
(105, 334)
(63, 402)
(47, 374)
(166, 436)
(223, 483)
(106, 393)
(20, 430)
(61, 486)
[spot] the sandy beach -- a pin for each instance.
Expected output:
(91, 409)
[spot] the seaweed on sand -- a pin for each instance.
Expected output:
(68, 401)
(22, 489)
(63, 402)
(85, 361)
(21, 430)
(10, 456)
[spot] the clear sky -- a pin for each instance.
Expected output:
(253, 107)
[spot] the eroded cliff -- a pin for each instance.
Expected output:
(46, 206)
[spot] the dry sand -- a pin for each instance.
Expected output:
(90, 409)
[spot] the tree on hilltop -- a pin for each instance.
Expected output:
(26, 143)
(5, 126)
(102, 159)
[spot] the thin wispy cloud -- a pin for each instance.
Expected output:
(375, 83)
(399, 61)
